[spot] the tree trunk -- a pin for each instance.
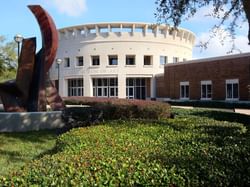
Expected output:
(246, 7)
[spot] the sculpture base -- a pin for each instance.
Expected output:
(30, 121)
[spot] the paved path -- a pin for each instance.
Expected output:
(242, 111)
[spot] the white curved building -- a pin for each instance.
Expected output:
(117, 59)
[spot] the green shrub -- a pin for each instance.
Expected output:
(123, 108)
(185, 151)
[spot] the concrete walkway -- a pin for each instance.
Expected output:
(242, 111)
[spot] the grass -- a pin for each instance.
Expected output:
(17, 149)
(197, 148)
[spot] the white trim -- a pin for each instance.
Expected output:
(184, 83)
(232, 81)
(212, 59)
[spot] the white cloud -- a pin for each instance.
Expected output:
(216, 48)
(69, 7)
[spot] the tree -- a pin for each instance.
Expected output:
(233, 11)
(8, 59)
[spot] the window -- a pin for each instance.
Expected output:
(175, 59)
(206, 90)
(105, 87)
(163, 60)
(130, 59)
(136, 88)
(79, 61)
(184, 90)
(148, 60)
(67, 62)
(113, 60)
(75, 87)
(95, 60)
(232, 89)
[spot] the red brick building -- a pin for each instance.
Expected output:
(222, 78)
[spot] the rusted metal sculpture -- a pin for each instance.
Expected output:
(32, 90)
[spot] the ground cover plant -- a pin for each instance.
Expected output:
(16, 149)
(189, 150)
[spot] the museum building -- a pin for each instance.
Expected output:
(144, 61)
(119, 60)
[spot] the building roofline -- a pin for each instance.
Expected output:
(225, 57)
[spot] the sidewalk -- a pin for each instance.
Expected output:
(242, 111)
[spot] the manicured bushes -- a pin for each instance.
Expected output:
(186, 151)
(123, 108)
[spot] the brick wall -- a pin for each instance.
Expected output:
(217, 70)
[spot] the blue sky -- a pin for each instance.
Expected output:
(15, 18)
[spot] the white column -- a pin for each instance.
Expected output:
(153, 87)
(121, 86)
(88, 86)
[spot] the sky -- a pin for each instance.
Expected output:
(15, 18)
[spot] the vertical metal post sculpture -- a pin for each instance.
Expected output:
(32, 90)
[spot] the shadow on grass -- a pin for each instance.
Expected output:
(224, 116)
(13, 156)
(33, 136)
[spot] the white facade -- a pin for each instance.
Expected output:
(117, 59)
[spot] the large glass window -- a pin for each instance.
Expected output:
(148, 60)
(67, 62)
(113, 60)
(163, 60)
(130, 59)
(136, 88)
(105, 87)
(232, 89)
(206, 90)
(95, 60)
(184, 90)
(79, 61)
(75, 87)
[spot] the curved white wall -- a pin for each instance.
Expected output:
(118, 39)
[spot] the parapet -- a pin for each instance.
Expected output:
(107, 29)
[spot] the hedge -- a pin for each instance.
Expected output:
(111, 109)
(185, 151)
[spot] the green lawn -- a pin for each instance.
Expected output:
(197, 148)
(16, 149)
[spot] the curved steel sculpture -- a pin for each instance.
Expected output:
(32, 90)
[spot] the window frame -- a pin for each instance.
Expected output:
(145, 60)
(232, 82)
(185, 85)
(130, 57)
(176, 59)
(165, 60)
(95, 58)
(102, 87)
(78, 61)
(111, 58)
(206, 83)
(66, 62)
(75, 87)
